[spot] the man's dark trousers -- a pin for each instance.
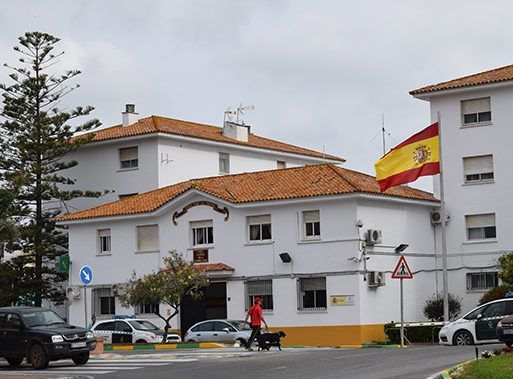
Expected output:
(254, 333)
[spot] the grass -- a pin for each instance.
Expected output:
(500, 367)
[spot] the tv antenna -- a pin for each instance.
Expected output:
(241, 109)
(384, 133)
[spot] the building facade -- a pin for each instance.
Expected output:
(239, 229)
(475, 113)
(143, 154)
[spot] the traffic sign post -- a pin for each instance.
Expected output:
(86, 276)
(402, 271)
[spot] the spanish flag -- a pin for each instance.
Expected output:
(417, 156)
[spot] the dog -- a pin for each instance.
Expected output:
(266, 340)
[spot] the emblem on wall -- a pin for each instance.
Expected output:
(214, 206)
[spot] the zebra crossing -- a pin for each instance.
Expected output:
(62, 369)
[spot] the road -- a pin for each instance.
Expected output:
(416, 362)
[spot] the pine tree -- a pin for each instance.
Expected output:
(35, 138)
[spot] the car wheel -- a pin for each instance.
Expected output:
(191, 341)
(509, 344)
(141, 341)
(14, 362)
(463, 338)
(38, 357)
(81, 359)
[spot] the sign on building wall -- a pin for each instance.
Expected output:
(339, 300)
(200, 256)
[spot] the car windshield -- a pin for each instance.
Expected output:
(143, 325)
(240, 325)
(41, 318)
(472, 315)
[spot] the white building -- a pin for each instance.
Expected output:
(336, 289)
(476, 133)
(143, 154)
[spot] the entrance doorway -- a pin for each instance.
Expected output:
(211, 305)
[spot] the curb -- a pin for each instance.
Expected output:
(446, 374)
(130, 347)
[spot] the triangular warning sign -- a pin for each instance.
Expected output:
(402, 270)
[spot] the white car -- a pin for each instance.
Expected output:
(477, 326)
(219, 331)
(132, 331)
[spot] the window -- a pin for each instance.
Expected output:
(128, 157)
(206, 327)
(312, 224)
(281, 164)
(476, 111)
(109, 325)
(202, 233)
(480, 281)
(259, 228)
(224, 163)
(260, 288)
(125, 195)
(478, 169)
(312, 294)
(104, 240)
(147, 308)
(103, 302)
(480, 226)
(122, 326)
(494, 310)
(220, 325)
(148, 238)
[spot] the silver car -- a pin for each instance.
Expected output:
(219, 331)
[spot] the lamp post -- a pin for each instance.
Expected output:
(398, 250)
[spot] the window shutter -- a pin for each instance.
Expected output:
(475, 105)
(478, 165)
(128, 154)
(311, 216)
(104, 232)
(147, 238)
(257, 220)
(480, 221)
(201, 224)
(313, 284)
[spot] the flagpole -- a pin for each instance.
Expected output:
(444, 234)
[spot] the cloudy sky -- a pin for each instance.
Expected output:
(319, 73)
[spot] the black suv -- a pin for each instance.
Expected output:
(41, 336)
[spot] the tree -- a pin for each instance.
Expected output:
(496, 293)
(168, 285)
(434, 307)
(506, 272)
(8, 231)
(35, 138)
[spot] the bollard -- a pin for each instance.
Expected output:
(477, 352)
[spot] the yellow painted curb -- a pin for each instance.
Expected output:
(165, 346)
(130, 347)
(210, 345)
(351, 346)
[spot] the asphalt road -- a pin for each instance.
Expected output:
(416, 362)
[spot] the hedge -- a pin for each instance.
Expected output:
(412, 333)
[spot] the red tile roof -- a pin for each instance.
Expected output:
(209, 267)
(291, 183)
(157, 124)
(500, 74)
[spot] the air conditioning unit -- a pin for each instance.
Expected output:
(375, 278)
(373, 236)
(73, 293)
(436, 217)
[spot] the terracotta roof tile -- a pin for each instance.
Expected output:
(500, 74)
(209, 267)
(291, 183)
(157, 124)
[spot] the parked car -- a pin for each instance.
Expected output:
(41, 336)
(478, 326)
(219, 331)
(504, 330)
(129, 330)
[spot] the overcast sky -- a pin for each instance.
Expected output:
(319, 73)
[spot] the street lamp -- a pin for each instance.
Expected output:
(399, 249)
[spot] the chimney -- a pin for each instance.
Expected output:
(129, 115)
(236, 131)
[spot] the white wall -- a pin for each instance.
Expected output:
(339, 242)
(463, 199)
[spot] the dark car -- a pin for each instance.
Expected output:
(505, 330)
(41, 336)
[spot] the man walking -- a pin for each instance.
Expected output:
(255, 312)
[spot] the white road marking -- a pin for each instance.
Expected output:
(110, 367)
(50, 371)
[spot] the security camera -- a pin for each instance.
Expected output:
(359, 223)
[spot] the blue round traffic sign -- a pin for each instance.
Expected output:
(86, 275)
